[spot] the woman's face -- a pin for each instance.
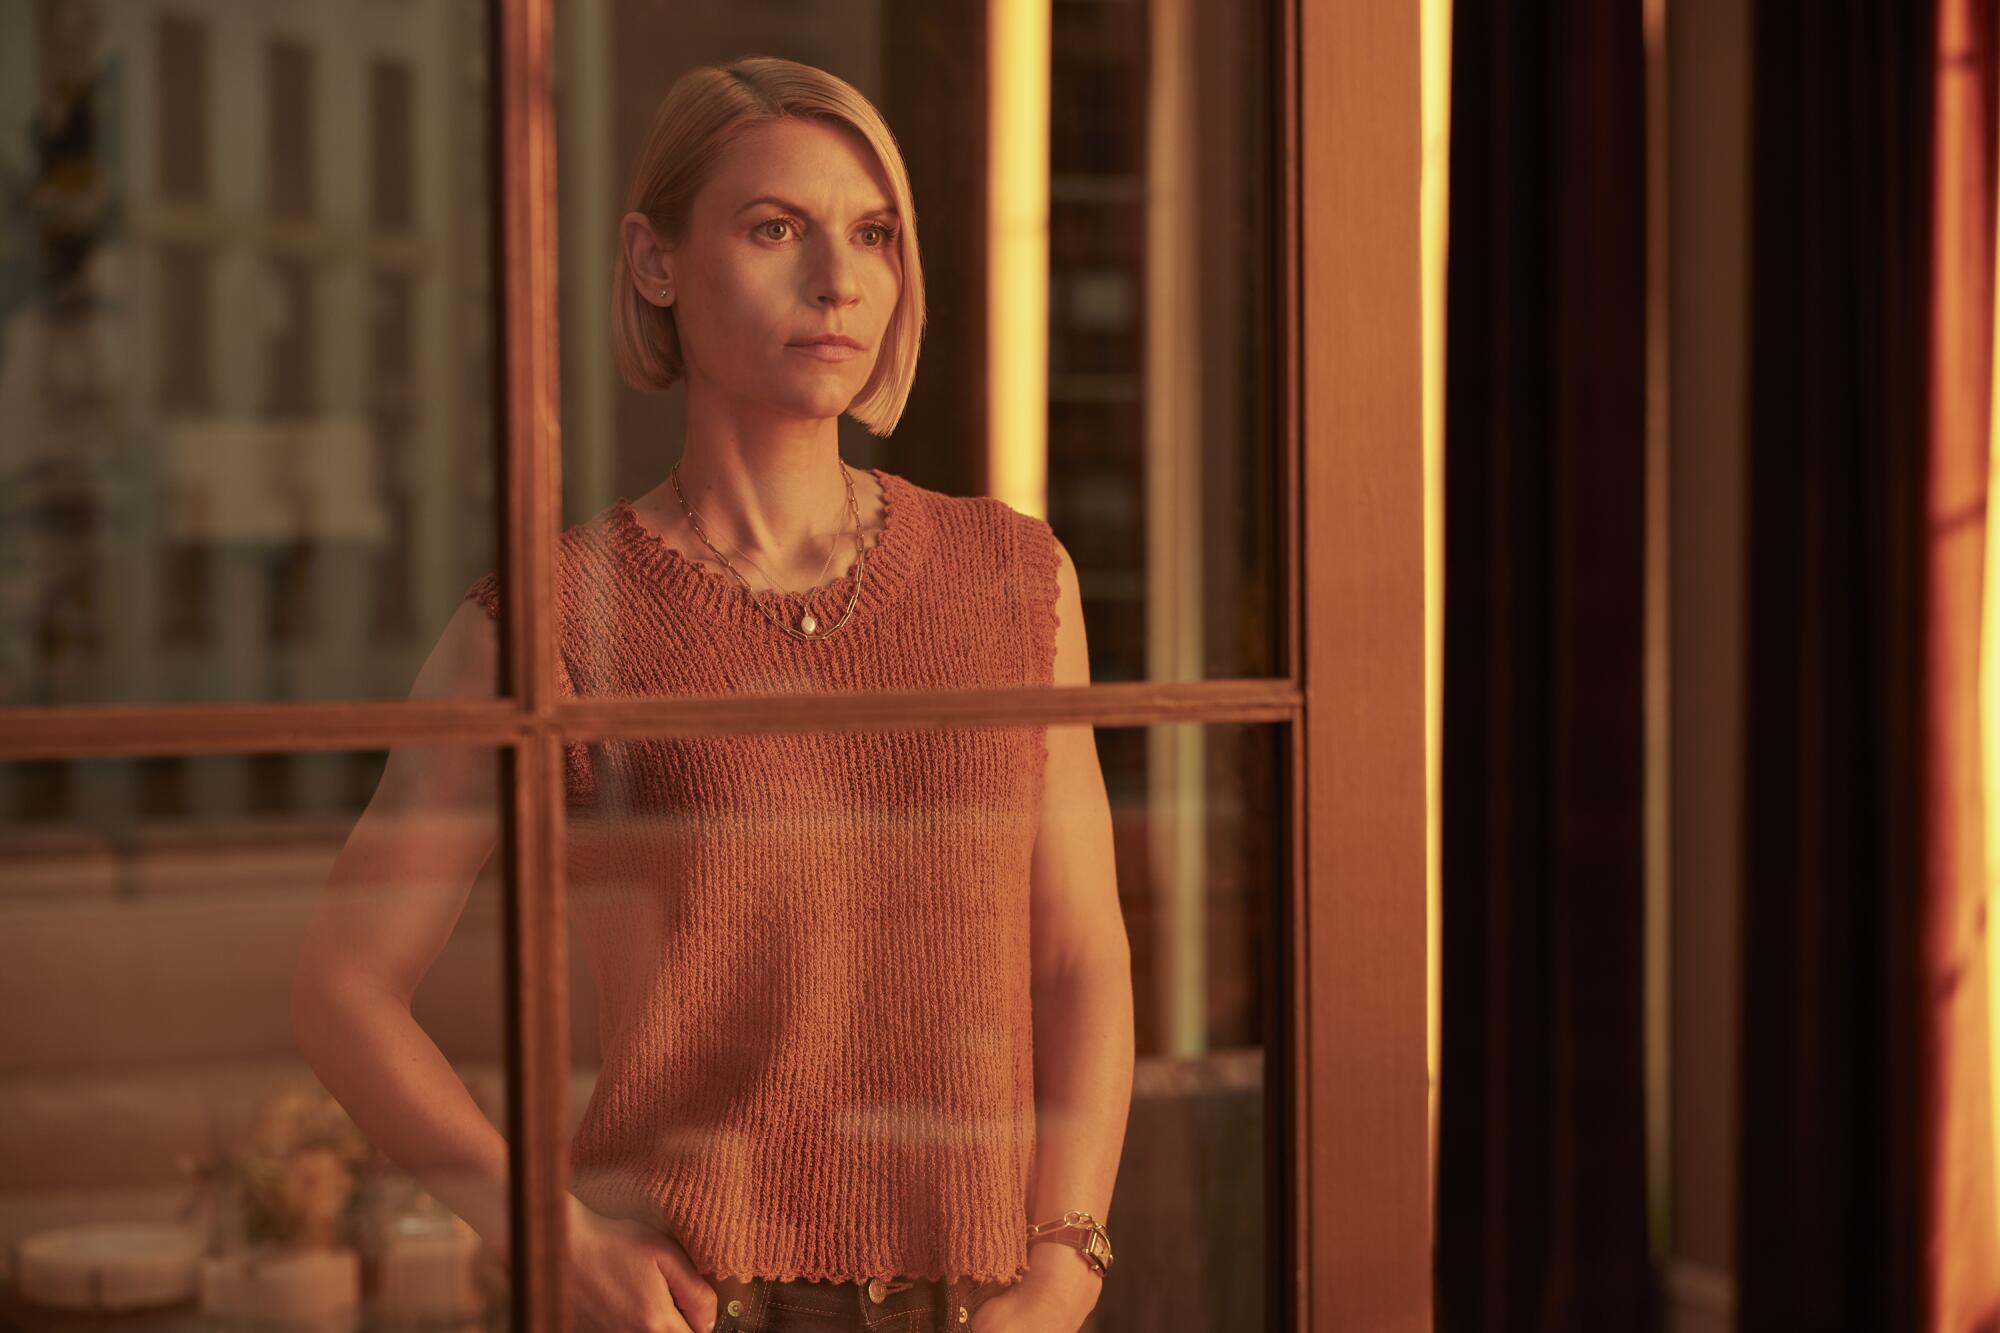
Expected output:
(793, 237)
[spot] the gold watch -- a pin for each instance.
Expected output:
(1080, 1231)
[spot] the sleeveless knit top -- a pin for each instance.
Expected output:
(811, 951)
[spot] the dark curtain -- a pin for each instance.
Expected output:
(1867, 1197)
(1836, 1072)
(1541, 1207)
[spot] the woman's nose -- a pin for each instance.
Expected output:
(833, 276)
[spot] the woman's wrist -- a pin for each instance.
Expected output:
(1062, 1270)
(497, 1233)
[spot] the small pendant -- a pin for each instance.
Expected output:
(807, 624)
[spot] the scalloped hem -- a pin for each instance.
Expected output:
(976, 1277)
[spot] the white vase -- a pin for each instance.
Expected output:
(109, 1266)
(428, 1271)
(318, 1290)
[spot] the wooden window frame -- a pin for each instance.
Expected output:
(1351, 1087)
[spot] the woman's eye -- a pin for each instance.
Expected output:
(884, 232)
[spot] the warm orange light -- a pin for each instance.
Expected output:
(1435, 28)
(1989, 732)
(1017, 293)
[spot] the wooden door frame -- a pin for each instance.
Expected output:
(1364, 1221)
(1349, 1099)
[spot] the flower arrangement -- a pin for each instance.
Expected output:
(293, 1182)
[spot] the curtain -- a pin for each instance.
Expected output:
(1540, 1192)
(1866, 1195)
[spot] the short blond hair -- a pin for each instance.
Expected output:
(707, 108)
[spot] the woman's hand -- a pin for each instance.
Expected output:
(1053, 1298)
(623, 1275)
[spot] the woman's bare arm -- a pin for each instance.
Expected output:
(391, 903)
(1082, 980)
(389, 908)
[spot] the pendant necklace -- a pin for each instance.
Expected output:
(808, 625)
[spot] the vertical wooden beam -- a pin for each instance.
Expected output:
(1364, 1155)
(1288, 1113)
(536, 968)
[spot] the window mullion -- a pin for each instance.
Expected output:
(537, 990)
(1120, 704)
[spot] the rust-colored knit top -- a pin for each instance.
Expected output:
(812, 951)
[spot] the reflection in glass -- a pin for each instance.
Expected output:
(760, 948)
(1198, 817)
(245, 346)
(188, 982)
(1159, 340)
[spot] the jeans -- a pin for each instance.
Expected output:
(895, 1305)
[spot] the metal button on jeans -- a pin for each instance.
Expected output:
(878, 1290)
(735, 1308)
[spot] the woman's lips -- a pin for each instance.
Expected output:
(827, 351)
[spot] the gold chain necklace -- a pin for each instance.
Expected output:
(694, 517)
(808, 626)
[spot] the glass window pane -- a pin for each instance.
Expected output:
(246, 347)
(1131, 306)
(821, 1035)
(254, 1063)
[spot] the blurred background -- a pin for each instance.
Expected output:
(246, 361)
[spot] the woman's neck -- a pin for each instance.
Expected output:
(773, 504)
(786, 511)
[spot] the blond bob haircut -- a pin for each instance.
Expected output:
(707, 108)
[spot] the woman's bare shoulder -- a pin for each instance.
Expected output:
(465, 661)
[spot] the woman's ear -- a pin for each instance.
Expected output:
(647, 259)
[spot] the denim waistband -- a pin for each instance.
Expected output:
(766, 1303)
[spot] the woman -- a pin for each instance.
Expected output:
(865, 997)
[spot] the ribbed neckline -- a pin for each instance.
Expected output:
(894, 552)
